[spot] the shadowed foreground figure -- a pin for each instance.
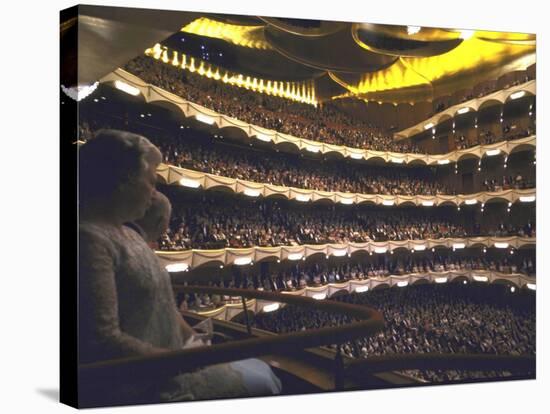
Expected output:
(126, 302)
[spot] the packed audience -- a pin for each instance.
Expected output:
(200, 152)
(507, 183)
(208, 221)
(431, 318)
(487, 137)
(319, 274)
(486, 90)
(326, 123)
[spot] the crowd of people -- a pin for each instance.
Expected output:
(210, 222)
(294, 171)
(486, 90)
(487, 137)
(320, 274)
(507, 183)
(430, 318)
(326, 124)
(201, 152)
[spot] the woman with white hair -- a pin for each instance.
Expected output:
(126, 303)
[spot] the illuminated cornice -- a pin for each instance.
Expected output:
(196, 257)
(500, 97)
(230, 310)
(303, 92)
(196, 179)
(188, 109)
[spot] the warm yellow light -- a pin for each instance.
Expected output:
(186, 182)
(339, 253)
(175, 60)
(177, 267)
(245, 36)
(527, 199)
(492, 153)
(466, 34)
(289, 90)
(480, 278)
(517, 95)
(271, 307)
(205, 119)
(251, 193)
(295, 256)
(201, 70)
(242, 261)
(164, 56)
(474, 55)
(129, 89)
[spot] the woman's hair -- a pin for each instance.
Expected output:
(156, 217)
(109, 160)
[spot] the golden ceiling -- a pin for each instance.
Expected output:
(373, 62)
(384, 63)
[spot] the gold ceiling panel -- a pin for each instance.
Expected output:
(471, 55)
(507, 37)
(245, 36)
(398, 75)
(424, 34)
(472, 60)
